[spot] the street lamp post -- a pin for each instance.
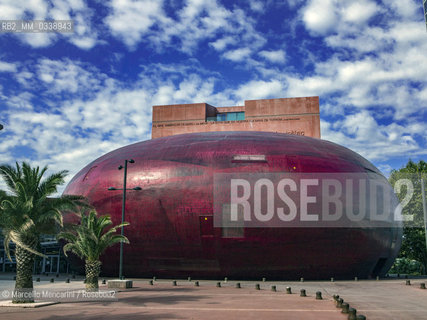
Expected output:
(123, 210)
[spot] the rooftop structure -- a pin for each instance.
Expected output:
(299, 116)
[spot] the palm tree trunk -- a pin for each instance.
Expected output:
(24, 276)
(93, 268)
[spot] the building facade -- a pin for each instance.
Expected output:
(298, 116)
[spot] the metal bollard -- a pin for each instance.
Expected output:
(174, 283)
(238, 285)
(273, 288)
(288, 290)
(218, 284)
(422, 285)
(340, 301)
(302, 279)
(196, 284)
(408, 282)
(378, 278)
(154, 278)
(74, 276)
(189, 279)
(302, 293)
(68, 280)
(38, 280)
(151, 282)
(84, 280)
(318, 295)
(225, 279)
(356, 279)
(332, 279)
(104, 281)
(263, 279)
(352, 314)
(345, 307)
(57, 275)
(52, 280)
(257, 287)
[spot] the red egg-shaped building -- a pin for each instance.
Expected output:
(172, 230)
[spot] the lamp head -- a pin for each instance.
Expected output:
(137, 188)
(120, 167)
(131, 161)
(112, 188)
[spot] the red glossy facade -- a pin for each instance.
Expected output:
(171, 219)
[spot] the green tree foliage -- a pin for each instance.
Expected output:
(413, 242)
(28, 211)
(406, 266)
(88, 240)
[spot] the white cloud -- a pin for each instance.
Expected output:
(276, 56)
(15, 10)
(130, 19)
(320, 16)
(405, 8)
(237, 54)
(359, 12)
(7, 67)
(363, 134)
(68, 76)
(221, 43)
(260, 90)
(257, 6)
(21, 100)
(84, 35)
(195, 21)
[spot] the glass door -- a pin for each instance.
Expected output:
(51, 264)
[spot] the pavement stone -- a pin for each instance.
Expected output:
(383, 299)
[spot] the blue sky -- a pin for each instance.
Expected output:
(66, 99)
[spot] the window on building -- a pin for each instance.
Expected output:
(228, 116)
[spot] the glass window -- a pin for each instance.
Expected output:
(240, 116)
(227, 116)
(231, 116)
(220, 117)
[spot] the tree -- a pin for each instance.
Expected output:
(26, 212)
(413, 242)
(88, 240)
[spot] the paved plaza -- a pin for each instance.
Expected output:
(383, 299)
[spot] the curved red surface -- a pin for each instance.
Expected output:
(176, 177)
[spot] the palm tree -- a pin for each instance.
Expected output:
(88, 241)
(28, 212)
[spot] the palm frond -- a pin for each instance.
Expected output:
(17, 239)
(91, 237)
(6, 243)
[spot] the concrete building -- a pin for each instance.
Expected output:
(299, 116)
